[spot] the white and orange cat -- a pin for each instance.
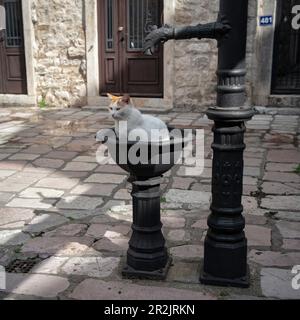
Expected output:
(123, 111)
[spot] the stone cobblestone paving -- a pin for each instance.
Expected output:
(61, 206)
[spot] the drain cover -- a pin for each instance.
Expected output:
(22, 266)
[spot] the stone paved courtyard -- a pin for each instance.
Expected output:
(61, 209)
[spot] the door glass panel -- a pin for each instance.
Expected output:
(110, 25)
(13, 23)
(142, 14)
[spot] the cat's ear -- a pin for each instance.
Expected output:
(112, 97)
(126, 99)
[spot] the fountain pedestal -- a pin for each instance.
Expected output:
(147, 256)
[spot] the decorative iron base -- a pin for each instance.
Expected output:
(161, 274)
(243, 282)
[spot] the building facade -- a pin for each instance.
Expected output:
(72, 52)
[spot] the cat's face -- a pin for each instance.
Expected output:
(119, 107)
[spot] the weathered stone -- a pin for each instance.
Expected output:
(59, 246)
(173, 222)
(278, 188)
(80, 166)
(106, 178)
(70, 230)
(6, 173)
(13, 237)
(100, 290)
(24, 156)
(288, 229)
(177, 236)
(201, 224)
(93, 189)
(274, 259)
(36, 285)
(291, 244)
(95, 267)
(44, 222)
(40, 193)
(122, 194)
(100, 230)
(63, 155)
(110, 169)
(287, 156)
(77, 214)
(80, 203)
(291, 216)
(182, 183)
(112, 245)
(187, 252)
(201, 199)
(184, 272)
(57, 183)
(281, 203)
(31, 203)
(12, 165)
(281, 167)
(277, 283)
(51, 265)
(37, 149)
(49, 163)
(12, 215)
(282, 177)
(258, 236)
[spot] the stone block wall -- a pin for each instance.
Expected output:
(60, 57)
(196, 61)
(60, 53)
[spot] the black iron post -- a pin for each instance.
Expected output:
(225, 256)
(147, 256)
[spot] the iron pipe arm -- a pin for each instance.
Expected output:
(215, 30)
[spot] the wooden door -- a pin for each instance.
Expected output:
(123, 25)
(12, 56)
(286, 54)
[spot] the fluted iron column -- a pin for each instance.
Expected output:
(225, 254)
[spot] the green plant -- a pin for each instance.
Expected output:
(297, 170)
(163, 200)
(43, 103)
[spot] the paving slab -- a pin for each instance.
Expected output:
(13, 237)
(288, 229)
(46, 286)
(59, 246)
(116, 290)
(277, 283)
(95, 267)
(45, 222)
(80, 203)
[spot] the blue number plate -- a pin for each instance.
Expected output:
(266, 20)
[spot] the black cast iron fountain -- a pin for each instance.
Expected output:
(147, 256)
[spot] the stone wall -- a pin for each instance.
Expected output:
(60, 53)
(60, 58)
(196, 61)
